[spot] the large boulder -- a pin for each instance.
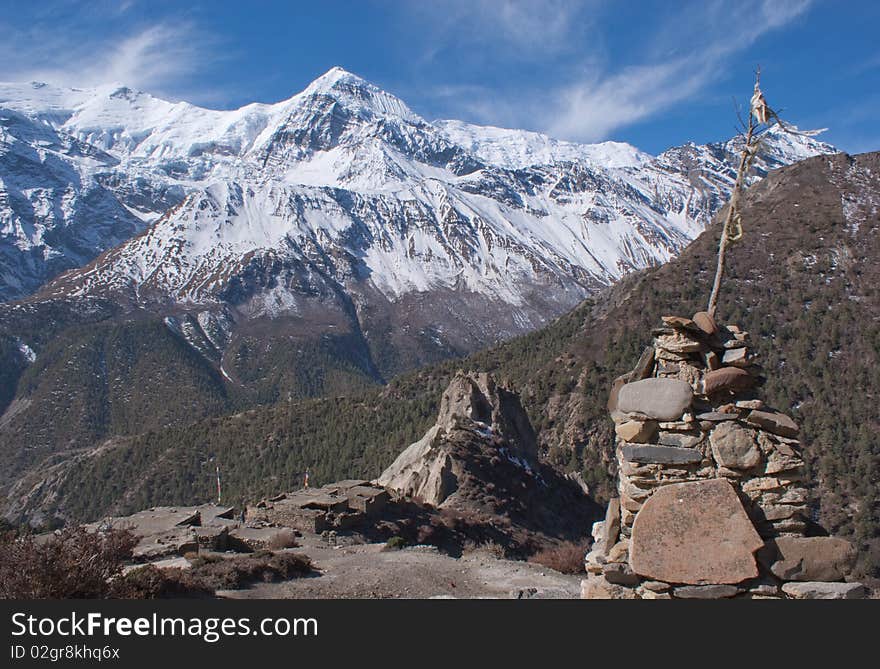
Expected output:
(694, 533)
(813, 558)
(659, 398)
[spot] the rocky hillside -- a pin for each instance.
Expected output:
(802, 281)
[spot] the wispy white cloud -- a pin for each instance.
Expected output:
(687, 51)
(152, 58)
(162, 57)
(509, 27)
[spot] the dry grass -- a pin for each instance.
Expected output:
(492, 548)
(567, 558)
(209, 574)
(283, 539)
(71, 564)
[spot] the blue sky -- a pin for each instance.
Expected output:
(652, 73)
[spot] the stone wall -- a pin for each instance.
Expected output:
(712, 483)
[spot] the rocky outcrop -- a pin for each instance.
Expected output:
(428, 471)
(711, 481)
(481, 457)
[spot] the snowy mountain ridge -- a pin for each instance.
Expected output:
(340, 194)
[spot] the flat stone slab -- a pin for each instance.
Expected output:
(705, 591)
(611, 528)
(817, 590)
(777, 423)
(661, 455)
(736, 357)
(154, 520)
(813, 558)
(663, 399)
(679, 322)
(694, 533)
(717, 416)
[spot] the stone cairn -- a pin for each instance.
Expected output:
(712, 499)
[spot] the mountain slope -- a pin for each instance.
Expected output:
(315, 246)
(336, 216)
(803, 281)
(345, 175)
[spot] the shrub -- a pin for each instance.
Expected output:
(149, 582)
(492, 548)
(285, 538)
(242, 571)
(395, 543)
(567, 558)
(209, 574)
(71, 564)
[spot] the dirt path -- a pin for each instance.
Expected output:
(368, 571)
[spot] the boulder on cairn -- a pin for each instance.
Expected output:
(711, 482)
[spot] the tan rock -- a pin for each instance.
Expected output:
(650, 594)
(775, 512)
(688, 439)
(727, 378)
(694, 533)
(778, 462)
(679, 343)
(761, 484)
(712, 360)
(789, 526)
(705, 322)
(618, 383)
(630, 504)
(611, 528)
(656, 586)
(621, 574)
(738, 357)
(816, 590)
(596, 587)
(777, 423)
(813, 558)
(619, 552)
(735, 446)
(636, 431)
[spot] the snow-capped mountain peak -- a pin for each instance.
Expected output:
(358, 95)
(343, 190)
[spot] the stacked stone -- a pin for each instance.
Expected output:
(708, 477)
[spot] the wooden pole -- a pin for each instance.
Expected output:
(745, 161)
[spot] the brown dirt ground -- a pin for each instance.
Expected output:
(362, 570)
